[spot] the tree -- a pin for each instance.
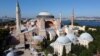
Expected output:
(86, 53)
(64, 51)
(77, 49)
(4, 33)
(92, 47)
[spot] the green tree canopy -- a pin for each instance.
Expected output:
(64, 51)
(4, 33)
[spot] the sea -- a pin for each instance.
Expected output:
(94, 23)
(83, 22)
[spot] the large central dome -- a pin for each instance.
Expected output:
(45, 15)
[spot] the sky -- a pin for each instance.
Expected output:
(31, 8)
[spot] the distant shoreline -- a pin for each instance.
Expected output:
(94, 23)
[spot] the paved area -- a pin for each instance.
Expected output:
(26, 53)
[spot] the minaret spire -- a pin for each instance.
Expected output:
(72, 18)
(18, 17)
(60, 18)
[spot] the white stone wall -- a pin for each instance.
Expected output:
(68, 48)
(84, 43)
(58, 48)
(52, 35)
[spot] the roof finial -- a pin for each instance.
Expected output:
(17, 3)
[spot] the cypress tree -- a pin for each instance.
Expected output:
(64, 51)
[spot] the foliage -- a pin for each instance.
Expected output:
(9, 23)
(86, 53)
(93, 46)
(64, 51)
(4, 33)
(46, 48)
(77, 49)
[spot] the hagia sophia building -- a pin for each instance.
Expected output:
(46, 26)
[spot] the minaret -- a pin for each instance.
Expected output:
(18, 18)
(72, 18)
(60, 19)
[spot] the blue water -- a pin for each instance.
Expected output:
(84, 22)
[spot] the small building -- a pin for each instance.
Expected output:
(85, 39)
(60, 43)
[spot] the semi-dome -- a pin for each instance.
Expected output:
(72, 37)
(45, 15)
(86, 36)
(63, 40)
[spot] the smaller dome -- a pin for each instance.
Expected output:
(44, 13)
(86, 36)
(39, 38)
(11, 53)
(72, 37)
(63, 39)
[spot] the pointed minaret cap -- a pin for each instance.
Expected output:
(17, 3)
